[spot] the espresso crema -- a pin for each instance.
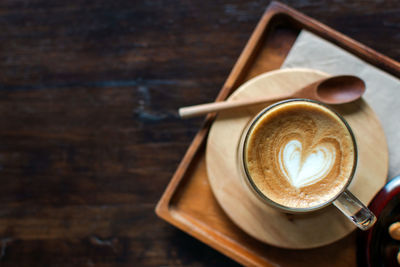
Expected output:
(299, 154)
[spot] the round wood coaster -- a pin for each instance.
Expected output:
(255, 217)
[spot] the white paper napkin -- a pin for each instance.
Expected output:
(383, 89)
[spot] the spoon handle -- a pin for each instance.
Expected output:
(197, 110)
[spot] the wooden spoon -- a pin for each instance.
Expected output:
(334, 90)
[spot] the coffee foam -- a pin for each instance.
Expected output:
(301, 171)
(300, 154)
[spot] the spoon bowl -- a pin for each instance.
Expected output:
(340, 89)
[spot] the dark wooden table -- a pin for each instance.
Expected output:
(89, 132)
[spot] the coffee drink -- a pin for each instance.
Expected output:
(299, 154)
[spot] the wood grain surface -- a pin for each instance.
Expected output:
(89, 131)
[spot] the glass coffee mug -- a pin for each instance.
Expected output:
(299, 156)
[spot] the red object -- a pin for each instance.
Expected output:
(375, 247)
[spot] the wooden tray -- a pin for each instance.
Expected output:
(188, 202)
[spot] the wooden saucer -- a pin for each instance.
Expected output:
(255, 217)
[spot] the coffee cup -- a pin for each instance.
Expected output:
(299, 156)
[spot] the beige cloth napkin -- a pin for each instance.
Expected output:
(383, 89)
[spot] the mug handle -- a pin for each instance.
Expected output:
(355, 211)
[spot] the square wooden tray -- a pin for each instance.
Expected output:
(188, 202)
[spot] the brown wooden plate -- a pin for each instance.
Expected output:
(188, 202)
(303, 231)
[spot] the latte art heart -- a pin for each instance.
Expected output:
(301, 172)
